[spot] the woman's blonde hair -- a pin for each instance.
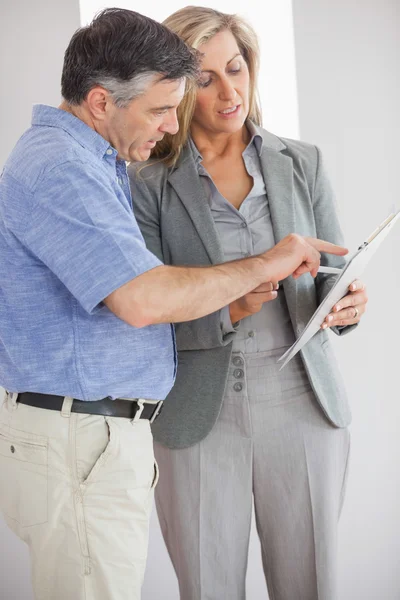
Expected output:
(196, 25)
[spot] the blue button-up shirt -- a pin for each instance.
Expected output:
(68, 238)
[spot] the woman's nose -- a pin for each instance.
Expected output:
(227, 92)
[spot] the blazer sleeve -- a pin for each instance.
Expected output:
(328, 228)
(147, 195)
(145, 204)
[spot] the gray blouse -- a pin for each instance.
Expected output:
(246, 232)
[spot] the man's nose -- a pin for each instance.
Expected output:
(170, 124)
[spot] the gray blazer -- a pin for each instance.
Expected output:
(175, 218)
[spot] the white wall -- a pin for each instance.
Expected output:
(348, 99)
(347, 55)
(33, 37)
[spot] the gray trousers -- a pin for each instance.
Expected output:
(271, 444)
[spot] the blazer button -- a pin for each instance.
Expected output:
(238, 386)
(237, 361)
(238, 373)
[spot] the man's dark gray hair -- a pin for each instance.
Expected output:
(123, 51)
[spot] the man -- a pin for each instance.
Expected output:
(86, 347)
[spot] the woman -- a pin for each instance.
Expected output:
(234, 427)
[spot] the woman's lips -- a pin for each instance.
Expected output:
(229, 113)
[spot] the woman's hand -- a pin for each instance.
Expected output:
(350, 308)
(252, 302)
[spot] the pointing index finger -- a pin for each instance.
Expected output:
(328, 247)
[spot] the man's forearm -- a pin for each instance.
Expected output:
(175, 294)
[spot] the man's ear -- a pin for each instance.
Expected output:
(97, 100)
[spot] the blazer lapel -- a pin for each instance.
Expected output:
(277, 172)
(185, 181)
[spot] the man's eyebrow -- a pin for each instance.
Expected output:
(229, 61)
(159, 108)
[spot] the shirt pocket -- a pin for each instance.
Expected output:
(23, 475)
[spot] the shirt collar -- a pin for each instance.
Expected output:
(87, 137)
(256, 138)
(195, 152)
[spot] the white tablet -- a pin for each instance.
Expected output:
(353, 270)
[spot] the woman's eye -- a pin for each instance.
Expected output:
(235, 67)
(205, 83)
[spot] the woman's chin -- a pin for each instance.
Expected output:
(231, 126)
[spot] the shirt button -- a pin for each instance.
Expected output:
(120, 180)
(12, 448)
(237, 361)
(238, 373)
(109, 151)
(246, 254)
(238, 386)
(243, 225)
(251, 334)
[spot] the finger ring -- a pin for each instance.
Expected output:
(356, 313)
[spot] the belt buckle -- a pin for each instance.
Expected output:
(140, 408)
(157, 411)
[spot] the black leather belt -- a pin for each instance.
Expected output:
(137, 408)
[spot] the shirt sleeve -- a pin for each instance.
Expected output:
(85, 234)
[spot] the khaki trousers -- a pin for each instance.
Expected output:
(78, 490)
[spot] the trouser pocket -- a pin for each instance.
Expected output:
(23, 475)
(156, 475)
